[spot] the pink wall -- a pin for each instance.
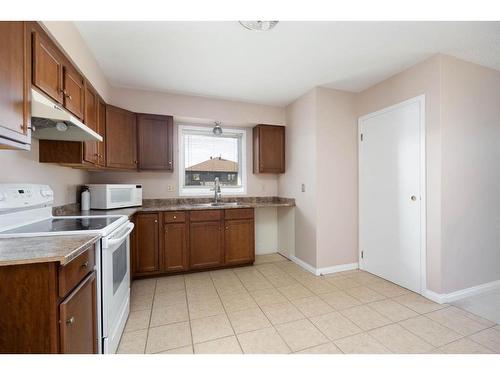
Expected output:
(301, 168)
(470, 124)
(337, 178)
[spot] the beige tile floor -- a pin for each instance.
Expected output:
(277, 307)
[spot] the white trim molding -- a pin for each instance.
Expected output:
(339, 268)
(462, 293)
(325, 270)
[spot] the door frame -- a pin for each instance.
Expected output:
(423, 183)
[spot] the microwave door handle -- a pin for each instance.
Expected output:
(115, 241)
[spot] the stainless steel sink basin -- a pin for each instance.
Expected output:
(220, 204)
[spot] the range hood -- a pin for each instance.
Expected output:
(51, 121)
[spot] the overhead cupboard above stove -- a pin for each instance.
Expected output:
(26, 211)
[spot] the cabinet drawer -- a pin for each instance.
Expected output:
(239, 213)
(206, 215)
(74, 272)
(174, 217)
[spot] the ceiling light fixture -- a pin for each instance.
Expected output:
(217, 128)
(259, 25)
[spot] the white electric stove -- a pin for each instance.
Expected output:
(26, 211)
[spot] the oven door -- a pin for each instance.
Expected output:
(115, 285)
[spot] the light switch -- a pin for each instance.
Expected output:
(303, 188)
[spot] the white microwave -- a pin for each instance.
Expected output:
(108, 196)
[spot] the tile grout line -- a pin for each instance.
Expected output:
(225, 311)
(260, 308)
(150, 313)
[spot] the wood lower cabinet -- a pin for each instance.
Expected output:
(205, 245)
(146, 247)
(49, 308)
(269, 149)
(78, 319)
(121, 138)
(192, 240)
(155, 142)
(15, 63)
(239, 241)
(175, 247)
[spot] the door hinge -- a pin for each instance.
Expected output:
(361, 137)
(362, 254)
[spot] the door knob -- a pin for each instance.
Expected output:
(413, 198)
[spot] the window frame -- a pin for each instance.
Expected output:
(194, 191)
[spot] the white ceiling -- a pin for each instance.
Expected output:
(224, 60)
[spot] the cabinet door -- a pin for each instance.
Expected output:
(269, 149)
(239, 241)
(154, 142)
(175, 247)
(205, 245)
(91, 101)
(47, 67)
(147, 243)
(101, 129)
(78, 319)
(121, 146)
(74, 91)
(14, 80)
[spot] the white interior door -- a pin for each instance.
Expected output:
(390, 193)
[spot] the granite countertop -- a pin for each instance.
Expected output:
(179, 204)
(25, 250)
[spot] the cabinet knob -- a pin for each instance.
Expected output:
(227, 228)
(175, 217)
(85, 265)
(156, 220)
(70, 321)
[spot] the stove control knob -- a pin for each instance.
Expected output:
(46, 193)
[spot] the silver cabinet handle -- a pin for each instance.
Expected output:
(70, 321)
(85, 265)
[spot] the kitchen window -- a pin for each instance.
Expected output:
(203, 156)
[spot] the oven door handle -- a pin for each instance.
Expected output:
(114, 241)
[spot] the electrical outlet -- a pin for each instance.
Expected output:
(170, 188)
(303, 188)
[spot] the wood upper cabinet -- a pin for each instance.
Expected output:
(78, 319)
(155, 142)
(101, 129)
(121, 143)
(175, 247)
(73, 91)
(268, 149)
(47, 66)
(147, 246)
(91, 119)
(15, 64)
(205, 243)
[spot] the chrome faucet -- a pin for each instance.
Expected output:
(217, 191)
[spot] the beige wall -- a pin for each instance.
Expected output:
(193, 110)
(471, 174)
(337, 178)
(301, 168)
(23, 166)
(156, 184)
(423, 78)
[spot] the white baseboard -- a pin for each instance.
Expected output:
(326, 270)
(460, 294)
(339, 268)
(303, 264)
